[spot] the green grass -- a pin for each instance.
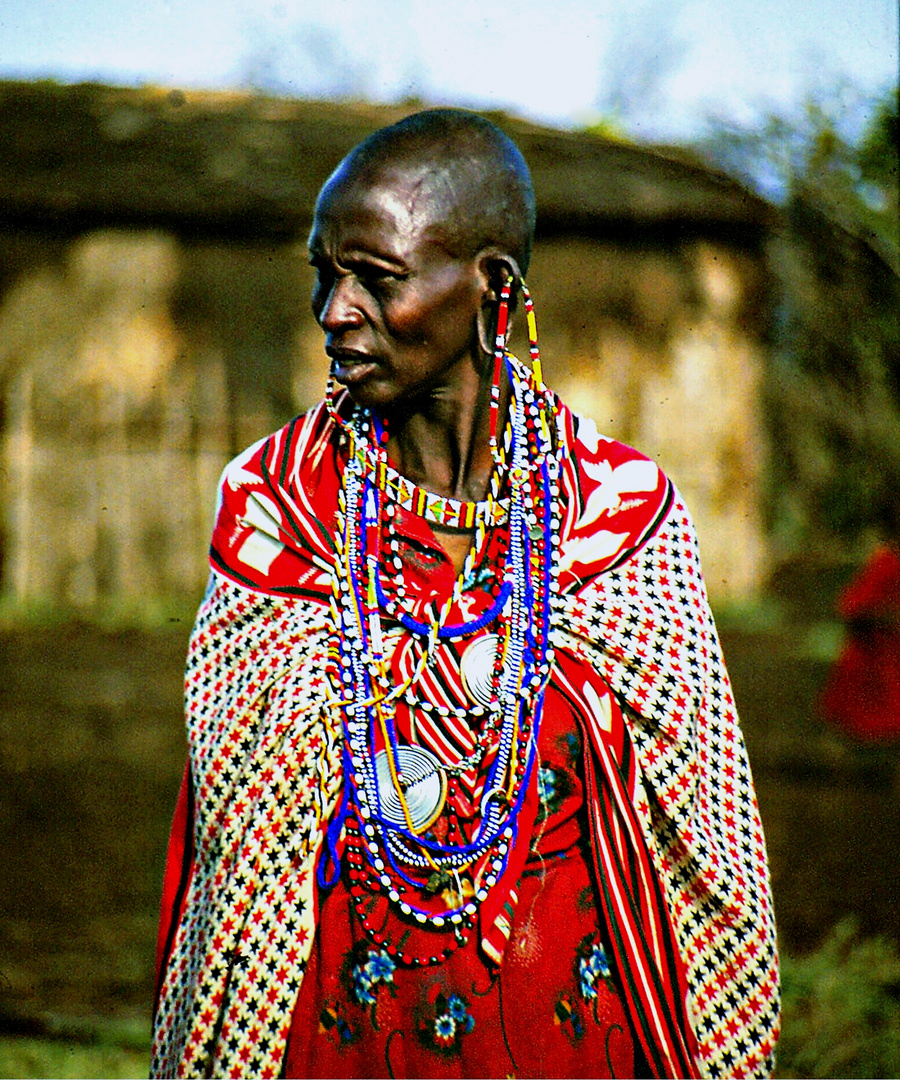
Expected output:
(21, 1057)
(764, 613)
(78, 1049)
(842, 1009)
(145, 614)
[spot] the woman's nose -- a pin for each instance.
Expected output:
(341, 308)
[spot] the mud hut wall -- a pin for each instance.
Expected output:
(133, 365)
(661, 339)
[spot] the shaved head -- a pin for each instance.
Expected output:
(468, 177)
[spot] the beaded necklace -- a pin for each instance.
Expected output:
(438, 509)
(396, 790)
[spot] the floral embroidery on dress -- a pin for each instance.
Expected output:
(592, 973)
(554, 787)
(452, 1020)
(333, 1023)
(567, 1016)
(592, 965)
(572, 746)
(369, 970)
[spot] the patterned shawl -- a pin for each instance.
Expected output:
(676, 835)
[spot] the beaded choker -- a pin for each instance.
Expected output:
(412, 861)
(438, 509)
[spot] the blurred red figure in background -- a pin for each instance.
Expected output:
(862, 695)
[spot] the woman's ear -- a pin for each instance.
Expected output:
(496, 268)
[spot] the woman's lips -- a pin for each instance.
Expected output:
(351, 367)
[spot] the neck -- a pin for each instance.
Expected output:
(442, 445)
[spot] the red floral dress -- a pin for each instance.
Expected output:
(551, 1009)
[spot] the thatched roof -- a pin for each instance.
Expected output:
(77, 155)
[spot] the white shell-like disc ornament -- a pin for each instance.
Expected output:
(422, 782)
(477, 666)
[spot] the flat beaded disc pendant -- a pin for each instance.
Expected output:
(476, 667)
(424, 787)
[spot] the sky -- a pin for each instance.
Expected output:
(661, 66)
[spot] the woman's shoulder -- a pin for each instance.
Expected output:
(302, 446)
(607, 471)
(276, 505)
(615, 498)
(585, 443)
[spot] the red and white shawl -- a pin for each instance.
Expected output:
(677, 839)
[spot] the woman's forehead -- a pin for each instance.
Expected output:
(407, 204)
(420, 188)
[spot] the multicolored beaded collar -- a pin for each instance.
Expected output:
(438, 509)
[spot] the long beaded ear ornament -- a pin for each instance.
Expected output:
(426, 827)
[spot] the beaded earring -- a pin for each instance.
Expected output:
(501, 357)
(501, 339)
(332, 395)
(536, 369)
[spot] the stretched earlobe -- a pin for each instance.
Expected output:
(496, 267)
(502, 278)
(497, 305)
(485, 320)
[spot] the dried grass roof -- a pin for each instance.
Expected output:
(241, 162)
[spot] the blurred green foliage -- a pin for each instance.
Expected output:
(833, 387)
(842, 1009)
(839, 150)
(832, 395)
(879, 150)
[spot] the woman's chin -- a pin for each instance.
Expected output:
(369, 394)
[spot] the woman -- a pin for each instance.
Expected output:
(466, 791)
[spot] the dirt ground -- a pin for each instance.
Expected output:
(91, 753)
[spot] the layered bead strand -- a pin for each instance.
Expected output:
(386, 854)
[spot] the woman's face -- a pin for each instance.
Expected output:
(398, 309)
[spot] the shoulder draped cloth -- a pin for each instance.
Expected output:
(676, 835)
